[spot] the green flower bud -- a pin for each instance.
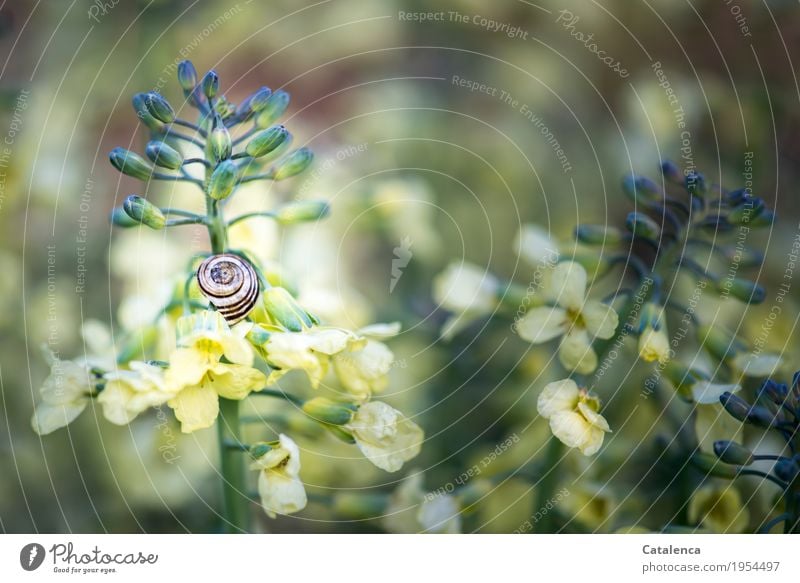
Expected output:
(641, 188)
(187, 75)
(130, 163)
(642, 226)
(743, 257)
(293, 164)
(748, 210)
(718, 341)
(284, 310)
(144, 212)
(736, 407)
(765, 219)
(159, 107)
(210, 84)
(122, 219)
(763, 417)
(259, 449)
(671, 172)
(731, 452)
(696, 184)
(711, 466)
(219, 140)
(742, 289)
(164, 155)
(341, 433)
(260, 99)
(786, 469)
(266, 141)
(139, 102)
(329, 411)
(223, 180)
(275, 107)
(598, 234)
(302, 211)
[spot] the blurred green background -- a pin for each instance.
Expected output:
(405, 151)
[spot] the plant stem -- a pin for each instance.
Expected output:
(232, 462)
(547, 485)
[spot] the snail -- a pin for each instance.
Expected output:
(231, 285)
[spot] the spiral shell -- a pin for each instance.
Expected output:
(230, 283)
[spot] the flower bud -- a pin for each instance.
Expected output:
(765, 219)
(187, 75)
(718, 341)
(259, 449)
(641, 188)
(763, 417)
(671, 172)
(284, 310)
(259, 100)
(742, 289)
(731, 452)
(710, 465)
(223, 180)
(219, 140)
(266, 141)
(130, 163)
(329, 411)
(159, 107)
(598, 234)
(144, 212)
(786, 469)
(210, 84)
(745, 257)
(120, 218)
(642, 226)
(302, 211)
(293, 164)
(274, 108)
(736, 407)
(778, 393)
(164, 155)
(341, 433)
(143, 113)
(746, 211)
(696, 184)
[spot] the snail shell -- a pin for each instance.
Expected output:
(231, 285)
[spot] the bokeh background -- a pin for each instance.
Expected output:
(408, 156)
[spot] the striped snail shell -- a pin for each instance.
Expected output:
(230, 283)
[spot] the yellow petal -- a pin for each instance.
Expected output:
(542, 324)
(234, 381)
(195, 407)
(601, 320)
(556, 397)
(576, 353)
(567, 285)
(187, 367)
(593, 418)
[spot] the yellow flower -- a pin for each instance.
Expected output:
(279, 484)
(756, 364)
(65, 394)
(654, 345)
(363, 368)
(466, 290)
(719, 509)
(574, 317)
(129, 392)
(385, 436)
(199, 378)
(536, 246)
(309, 351)
(573, 415)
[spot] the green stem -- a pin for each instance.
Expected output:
(233, 470)
(553, 456)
